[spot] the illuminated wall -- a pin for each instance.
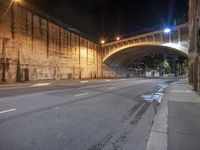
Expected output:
(34, 46)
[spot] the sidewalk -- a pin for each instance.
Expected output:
(177, 123)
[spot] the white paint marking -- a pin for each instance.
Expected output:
(84, 81)
(78, 95)
(122, 79)
(40, 84)
(64, 90)
(181, 91)
(107, 80)
(112, 88)
(6, 111)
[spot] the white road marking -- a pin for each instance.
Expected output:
(107, 80)
(82, 94)
(122, 79)
(84, 81)
(40, 84)
(133, 82)
(6, 111)
(112, 88)
(181, 91)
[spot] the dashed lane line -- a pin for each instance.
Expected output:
(82, 94)
(6, 111)
(112, 88)
(40, 84)
(84, 81)
(107, 80)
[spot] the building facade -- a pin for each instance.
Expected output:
(34, 46)
(194, 50)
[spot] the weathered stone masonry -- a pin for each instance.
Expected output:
(194, 50)
(34, 46)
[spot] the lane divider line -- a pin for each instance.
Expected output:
(78, 95)
(182, 91)
(122, 79)
(107, 80)
(40, 84)
(112, 88)
(84, 81)
(6, 111)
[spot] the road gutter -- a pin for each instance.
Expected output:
(158, 139)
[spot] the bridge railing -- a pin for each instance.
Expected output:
(144, 34)
(152, 29)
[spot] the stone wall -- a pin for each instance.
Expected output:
(34, 46)
(194, 50)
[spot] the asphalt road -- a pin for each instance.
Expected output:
(102, 115)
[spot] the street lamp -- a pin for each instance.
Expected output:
(167, 30)
(11, 3)
(117, 38)
(102, 41)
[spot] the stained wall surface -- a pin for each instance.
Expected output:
(34, 46)
(194, 50)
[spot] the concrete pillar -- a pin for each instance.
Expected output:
(179, 36)
(170, 38)
(161, 37)
(146, 38)
(154, 38)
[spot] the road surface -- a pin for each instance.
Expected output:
(98, 115)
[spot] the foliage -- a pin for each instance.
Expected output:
(185, 66)
(151, 63)
(165, 67)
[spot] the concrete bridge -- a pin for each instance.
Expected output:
(120, 53)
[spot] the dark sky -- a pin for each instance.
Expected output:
(107, 18)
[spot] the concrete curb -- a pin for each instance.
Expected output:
(158, 139)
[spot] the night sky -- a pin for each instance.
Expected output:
(107, 18)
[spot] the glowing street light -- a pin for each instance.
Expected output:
(102, 41)
(11, 3)
(117, 38)
(167, 30)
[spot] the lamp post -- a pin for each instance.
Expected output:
(168, 31)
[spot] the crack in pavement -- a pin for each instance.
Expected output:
(139, 115)
(102, 143)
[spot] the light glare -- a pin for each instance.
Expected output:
(167, 30)
(118, 38)
(102, 41)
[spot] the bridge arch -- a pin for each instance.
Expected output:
(146, 48)
(117, 55)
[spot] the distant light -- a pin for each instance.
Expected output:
(102, 41)
(17, 0)
(117, 38)
(167, 30)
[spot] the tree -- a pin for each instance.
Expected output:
(165, 67)
(185, 66)
(151, 62)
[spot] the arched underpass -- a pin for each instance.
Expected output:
(119, 60)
